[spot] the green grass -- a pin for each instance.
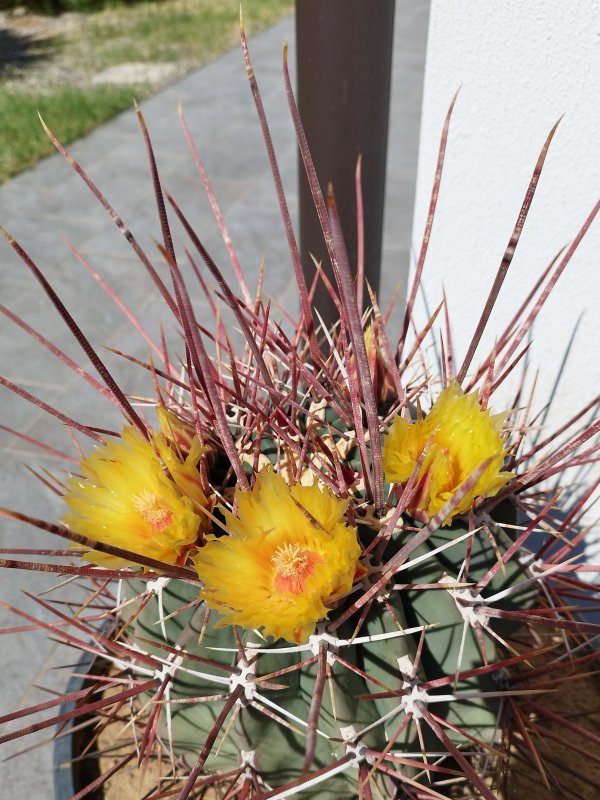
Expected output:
(69, 113)
(189, 31)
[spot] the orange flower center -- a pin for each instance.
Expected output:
(293, 566)
(147, 504)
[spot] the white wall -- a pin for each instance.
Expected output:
(521, 66)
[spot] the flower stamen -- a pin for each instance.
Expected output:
(148, 506)
(293, 566)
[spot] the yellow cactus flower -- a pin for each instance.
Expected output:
(130, 497)
(461, 437)
(288, 555)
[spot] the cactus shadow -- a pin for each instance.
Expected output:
(587, 602)
(19, 51)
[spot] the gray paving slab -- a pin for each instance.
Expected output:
(49, 203)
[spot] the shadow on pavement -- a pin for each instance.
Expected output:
(20, 50)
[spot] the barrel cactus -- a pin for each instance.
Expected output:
(331, 581)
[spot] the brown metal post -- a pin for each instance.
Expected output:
(344, 59)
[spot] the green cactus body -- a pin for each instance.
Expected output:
(278, 747)
(451, 641)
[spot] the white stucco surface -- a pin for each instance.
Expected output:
(519, 66)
